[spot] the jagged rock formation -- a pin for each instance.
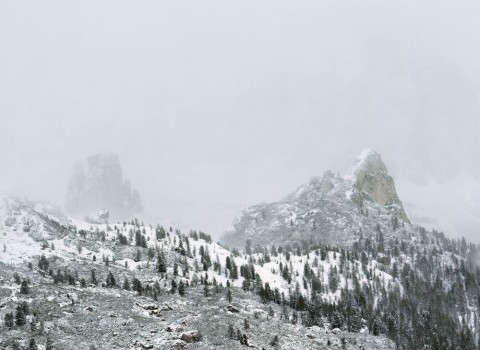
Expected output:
(101, 187)
(330, 209)
(373, 182)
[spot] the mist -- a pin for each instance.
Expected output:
(214, 106)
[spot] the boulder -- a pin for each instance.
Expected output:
(191, 337)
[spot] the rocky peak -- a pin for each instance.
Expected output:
(369, 161)
(100, 186)
(331, 209)
(371, 179)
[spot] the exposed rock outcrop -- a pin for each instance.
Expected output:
(101, 187)
(372, 179)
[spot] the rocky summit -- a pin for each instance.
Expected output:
(330, 209)
(99, 187)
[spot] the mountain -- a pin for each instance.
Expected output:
(330, 209)
(130, 286)
(100, 187)
(71, 284)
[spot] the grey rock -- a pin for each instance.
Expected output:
(191, 337)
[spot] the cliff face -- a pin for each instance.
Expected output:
(101, 187)
(373, 182)
(330, 209)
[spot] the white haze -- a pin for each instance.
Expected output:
(216, 105)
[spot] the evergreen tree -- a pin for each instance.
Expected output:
(137, 286)
(24, 288)
(162, 263)
(174, 287)
(275, 341)
(138, 238)
(49, 344)
(126, 284)
(181, 288)
(93, 278)
(8, 320)
(32, 345)
(43, 263)
(111, 280)
(20, 316)
(229, 295)
(175, 269)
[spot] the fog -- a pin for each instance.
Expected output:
(213, 105)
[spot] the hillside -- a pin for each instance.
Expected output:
(134, 286)
(131, 286)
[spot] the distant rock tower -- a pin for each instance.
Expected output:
(101, 187)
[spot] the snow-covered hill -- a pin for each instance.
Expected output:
(337, 264)
(132, 250)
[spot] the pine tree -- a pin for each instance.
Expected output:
(162, 264)
(25, 308)
(49, 344)
(138, 238)
(32, 345)
(181, 288)
(111, 280)
(174, 287)
(229, 295)
(137, 286)
(8, 320)
(93, 278)
(126, 284)
(20, 316)
(24, 287)
(175, 269)
(275, 341)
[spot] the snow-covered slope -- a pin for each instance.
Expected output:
(321, 295)
(130, 250)
(25, 226)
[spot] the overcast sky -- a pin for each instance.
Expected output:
(216, 105)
